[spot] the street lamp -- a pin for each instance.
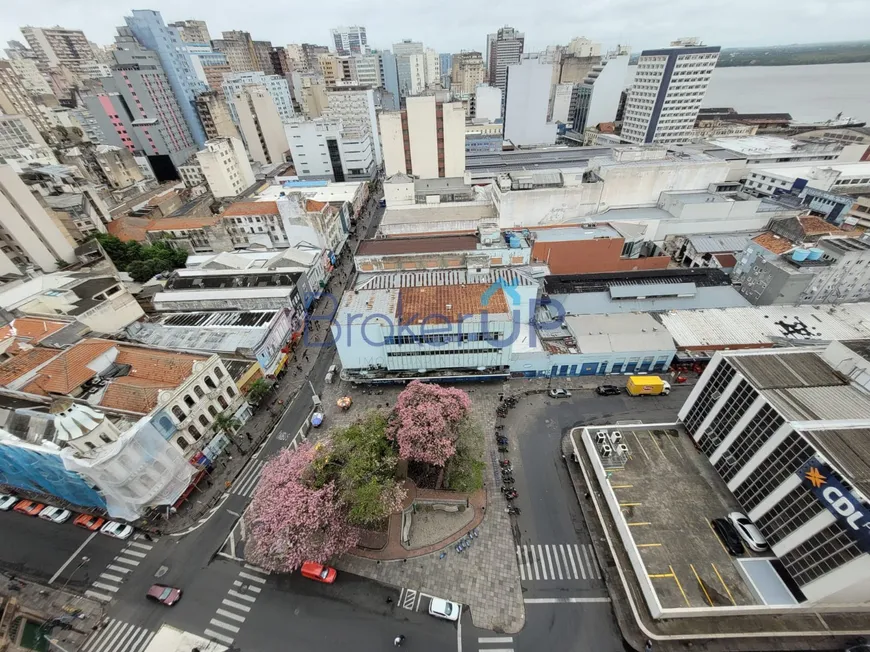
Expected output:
(83, 562)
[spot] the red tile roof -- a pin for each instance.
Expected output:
(128, 228)
(242, 208)
(813, 225)
(169, 368)
(181, 223)
(29, 330)
(311, 205)
(69, 370)
(132, 396)
(22, 363)
(775, 244)
(450, 302)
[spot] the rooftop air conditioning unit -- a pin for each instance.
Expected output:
(605, 450)
(601, 437)
(616, 437)
(621, 449)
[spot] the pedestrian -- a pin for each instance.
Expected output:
(397, 642)
(389, 599)
(647, 646)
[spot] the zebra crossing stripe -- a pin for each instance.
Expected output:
(588, 563)
(549, 561)
(528, 562)
(558, 565)
(571, 557)
(520, 564)
(541, 559)
(564, 559)
(580, 561)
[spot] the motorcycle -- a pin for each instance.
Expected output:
(511, 496)
(504, 463)
(502, 449)
(508, 481)
(513, 511)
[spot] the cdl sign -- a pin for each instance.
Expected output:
(851, 514)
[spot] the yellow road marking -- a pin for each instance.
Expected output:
(629, 504)
(643, 523)
(701, 584)
(621, 486)
(680, 586)
(662, 575)
(661, 452)
(648, 545)
(724, 586)
(716, 536)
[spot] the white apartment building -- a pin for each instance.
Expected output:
(260, 124)
(28, 235)
(355, 108)
(225, 166)
(325, 149)
(432, 68)
(601, 91)
(21, 142)
(528, 103)
(349, 40)
(487, 102)
(668, 89)
(277, 87)
(767, 181)
(368, 70)
(562, 102)
(416, 73)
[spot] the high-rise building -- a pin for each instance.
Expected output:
(583, 47)
(214, 114)
(244, 54)
(280, 62)
(57, 46)
(16, 100)
(31, 77)
(433, 69)
(210, 66)
(28, 235)
(426, 139)
(410, 66)
(325, 149)
(368, 70)
(349, 40)
(225, 166)
(504, 48)
(355, 108)
(260, 124)
(20, 140)
(446, 62)
(276, 85)
(148, 28)
(668, 89)
(192, 31)
(468, 73)
(598, 96)
(527, 104)
(309, 91)
(487, 103)
(390, 75)
(303, 56)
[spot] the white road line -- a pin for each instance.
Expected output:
(563, 600)
(124, 560)
(102, 597)
(520, 564)
(550, 562)
(122, 642)
(135, 553)
(565, 560)
(89, 645)
(144, 546)
(556, 557)
(498, 649)
(495, 639)
(580, 561)
(223, 625)
(588, 563)
(253, 578)
(573, 565)
(236, 605)
(250, 480)
(148, 640)
(595, 564)
(112, 578)
(459, 634)
(255, 589)
(117, 569)
(136, 643)
(256, 568)
(230, 615)
(218, 636)
(543, 564)
(107, 587)
(528, 563)
(71, 558)
(110, 641)
(242, 596)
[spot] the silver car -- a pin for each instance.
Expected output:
(750, 534)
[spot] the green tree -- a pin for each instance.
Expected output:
(465, 469)
(228, 425)
(258, 390)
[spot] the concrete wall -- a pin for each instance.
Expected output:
(607, 90)
(423, 137)
(527, 104)
(399, 194)
(393, 144)
(527, 208)
(453, 121)
(592, 257)
(487, 102)
(642, 183)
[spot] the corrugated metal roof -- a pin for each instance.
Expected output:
(443, 277)
(599, 303)
(708, 244)
(786, 369)
(848, 450)
(820, 403)
(653, 290)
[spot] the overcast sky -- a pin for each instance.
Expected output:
(453, 25)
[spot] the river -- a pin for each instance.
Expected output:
(808, 93)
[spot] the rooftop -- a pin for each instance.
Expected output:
(216, 280)
(595, 303)
(181, 223)
(25, 362)
(443, 184)
(575, 283)
(813, 225)
(775, 244)
(246, 208)
(381, 281)
(448, 303)
(416, 245)
(30, 330)
(533, 159)
(563, 233)
(758, 145)
(846, 170)
(618, 333)
(712, 243)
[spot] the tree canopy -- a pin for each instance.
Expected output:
(142, 262)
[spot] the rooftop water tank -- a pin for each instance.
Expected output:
(815, 253)
(800, 254)
(514, 242)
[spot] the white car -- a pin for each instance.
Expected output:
(560, 393)
(55, 514)
(117, 530)
(750, 534)
(7, 502)
(444, 609)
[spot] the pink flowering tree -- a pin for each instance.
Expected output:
(425, 423)
(293, 518)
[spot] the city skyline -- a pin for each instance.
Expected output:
(640, 25)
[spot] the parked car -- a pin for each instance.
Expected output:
(163, 594)
(747, 530)
(55, 514)
(559, 393)
(318, 572)
(89, 522)
(728, 535)
(444, 609)
(29, 507)
(608, 390)
(7, 502)
(117, 530)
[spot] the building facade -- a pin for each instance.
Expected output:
(225, 166)
(55, 46)
(487, 103)
(349, 40)
(355, 108)
(215, 116)
(467, 73)
(325, 149)
(15, 99)
(244, 54)
(260, 124)
(600, 92)
(527, 105)
(277, 87)
(192, 31)
(504, 48)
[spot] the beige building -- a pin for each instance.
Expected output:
(192, 31)
(331, 68)
(56, 46)
(426, 140)
(215, 116)
(244, 54)
(31, 77)
(21, 142)
(225, 166)
(468, 73)
(15, 99)
(261, 125)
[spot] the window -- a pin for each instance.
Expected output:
(203, 421)
(188, 400)
(212, 411)
(194, 432)
(90, 445)
(198, 391)
(218, 373)
(770, 473)
(223, 402)
(182, 443)
(790, 513)
(711, 393)
(759, 430)
(820, 554)
(179, 414)
(231, 392)
(209, 383)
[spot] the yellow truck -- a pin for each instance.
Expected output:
(647, 386)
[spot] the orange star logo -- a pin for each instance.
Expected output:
(816, 479)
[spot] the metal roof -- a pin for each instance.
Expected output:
(848, 450)
(705, 244)
(446, 277)
(618, 333)
(643, 290)
(595, 303)
(698, 276)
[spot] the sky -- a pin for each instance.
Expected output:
(454, 25)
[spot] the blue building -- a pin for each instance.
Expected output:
(150, 30)
(390, 73)
(446, 69)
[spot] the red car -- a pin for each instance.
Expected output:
(29, 507)
(164, 594)
(89, 522)
(318, 572)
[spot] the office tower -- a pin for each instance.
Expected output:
(667, 92)
(487, 103)
(349, 40)
(31, 77)
(15, 99)
(326, 149)
(504, 48)
(411, 67)
(137, 109)
(426, 139)
(225, 166)
(330, 67)
(243, 53)
(214, 114)
(276, 85)
(527, 103)
(280, 62)
(309, 91)
(355, 108)
(28, 234)
(468, 73)
(432, 68)
(446, 63)
(57, 46)
(192, 31)
(390, 75)
(583, 47)
(149, 29)
(20, 140)
(368, 70)
(303, 56)
(260, 124)
(210, 66)
(598, 96)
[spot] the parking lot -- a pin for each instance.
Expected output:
(668, 493)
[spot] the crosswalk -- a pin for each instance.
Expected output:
(118, 570)
(554, 562)
(495, 643)
(119, 636)
(236, 606)
(247, 482)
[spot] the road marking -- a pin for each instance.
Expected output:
(459, 632)
(716, 536)
(256, 568)
(563, 600)
(701, 583)
(580, 562)
(223, 625)
(111, 633)
(621, 486)
(72, 557)
(495, 639)
(254, 578)
(556, 557)
(408, 599)
(534, 563)
(218, 636)
(565, 561)
(107, 587)
(136, 642)
(520, 564)
(640, 523)
(136, 544)
(645, 454)
(541, 559)
(647, 545)
(724, 586)
(629, 504)
(549, 562)
(123, 641)
(671, 439)
(528, 563)
(242, 596)
(230, 615)
(236, 605)
(135, 553)
(255, 589)
(573, 565)
(659, 575)
(588, 563)
(124, 560)
(99, 636)
(117, 569)
(112, 578)
(102, 597)
(680, 586)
